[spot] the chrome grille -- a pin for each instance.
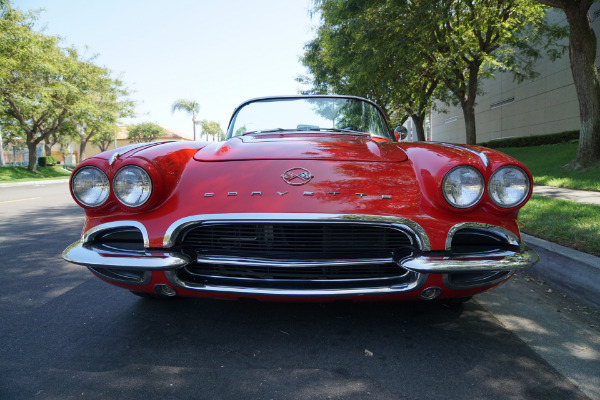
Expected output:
(296, 241)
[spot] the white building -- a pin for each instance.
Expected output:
(544, 105)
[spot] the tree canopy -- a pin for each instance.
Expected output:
(145, 132)
(405, 53)
(44, 85)
(189, 106)
(211, 128)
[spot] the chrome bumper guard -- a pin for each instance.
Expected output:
(445, 262)
(99, 256)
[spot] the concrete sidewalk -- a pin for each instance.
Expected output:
(580, 196)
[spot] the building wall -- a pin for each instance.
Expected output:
(546, 104)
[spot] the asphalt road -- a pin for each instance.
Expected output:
(66, 334)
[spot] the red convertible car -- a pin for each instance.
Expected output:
(310, 198)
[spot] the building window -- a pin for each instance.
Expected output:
(502, 103)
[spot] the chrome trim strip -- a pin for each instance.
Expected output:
(288, 263)
(442, 262)
(385, 290)
(128, 148)
(90, 234)
(103, 257)
(479, 154)
(510, 237)
(412, 228)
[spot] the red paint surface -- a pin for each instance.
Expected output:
(347, 165)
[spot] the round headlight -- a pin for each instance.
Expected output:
(463, 186)
(508, 186)
(90, 186)
(132, 186)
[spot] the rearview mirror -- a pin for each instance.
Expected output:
(401, 133)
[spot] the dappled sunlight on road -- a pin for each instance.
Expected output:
(565, 333)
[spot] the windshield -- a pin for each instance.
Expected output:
(314, 114)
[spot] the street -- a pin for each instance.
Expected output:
(66, 334)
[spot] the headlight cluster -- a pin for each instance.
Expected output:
(464, 186)
(508, 186)
(90, 186)
(132, 186)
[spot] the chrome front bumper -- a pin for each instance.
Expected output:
(444, 262)
(98, 256)
(516, 256)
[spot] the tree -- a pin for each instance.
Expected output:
(211, 128)
(65, 135)
(582, 53)
(42, 85)
(103, 102)
(35, 78)
(189, 106)
(411, 47)
(145, 132)
(105, 138)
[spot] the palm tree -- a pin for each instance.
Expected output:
(190, 106)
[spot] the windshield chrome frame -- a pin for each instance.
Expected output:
(389, 136)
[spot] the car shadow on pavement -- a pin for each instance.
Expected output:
(118, 345)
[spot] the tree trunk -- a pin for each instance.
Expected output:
(582, 53)
(2, 162)
(419, 121)
(82, 145)
(32, 147)
(47, 147)
(468, 103)
(468, 108)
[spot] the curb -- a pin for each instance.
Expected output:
(37, 183)
(571, 271)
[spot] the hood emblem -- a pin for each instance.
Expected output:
(297, 176)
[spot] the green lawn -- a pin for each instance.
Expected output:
(22, 174)
(545, 164)
(564, 222)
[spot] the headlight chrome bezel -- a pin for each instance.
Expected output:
(492, 185)
(103, 178)
(121, 197)
(450, 174)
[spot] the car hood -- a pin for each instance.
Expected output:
(306, 146)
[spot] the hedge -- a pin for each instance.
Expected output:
(537, 140)
(47, 161)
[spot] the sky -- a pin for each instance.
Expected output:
(219, 53)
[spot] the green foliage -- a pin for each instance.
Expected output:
(189, 106)
(546, 162)
(105, 138)
(145, 132)
(44, 85)
(47, 161)
(211, 128)
(399, 53)
(568, 223)
(535, 140)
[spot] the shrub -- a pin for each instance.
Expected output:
(537, 140)
(47, 161)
